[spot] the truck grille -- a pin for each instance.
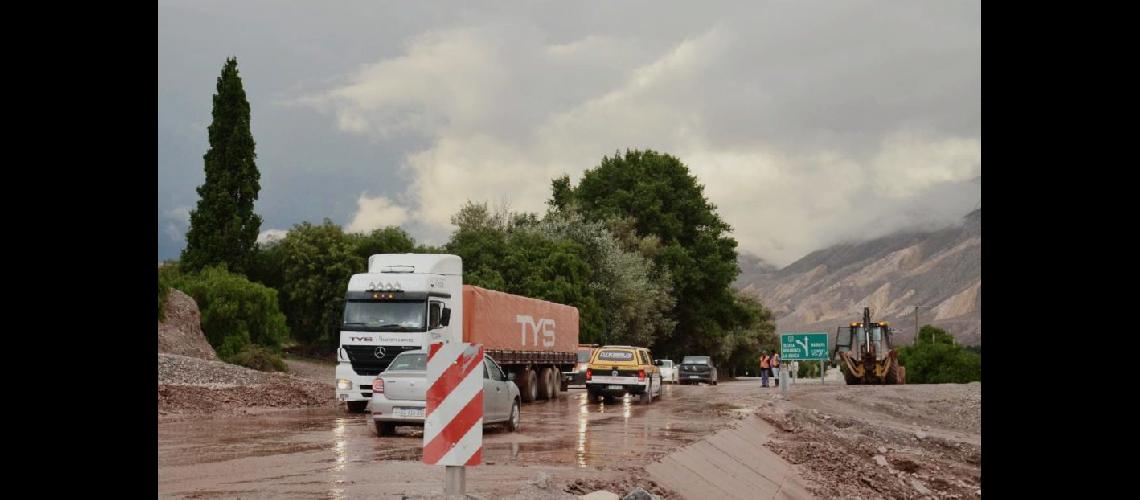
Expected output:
(364, 360)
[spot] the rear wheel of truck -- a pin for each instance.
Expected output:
(556, 385)
(551, 383)
(357, 406)
(529, 386)
(545, 388)
(385, 428)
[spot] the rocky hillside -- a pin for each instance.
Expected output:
(941, 270)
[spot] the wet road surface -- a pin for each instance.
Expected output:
(327, 453)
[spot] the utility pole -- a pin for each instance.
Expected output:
(916, 325)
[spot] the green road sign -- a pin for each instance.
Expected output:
(803, 346)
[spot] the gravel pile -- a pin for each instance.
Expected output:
(189, 384)
(185, 370)
(180, 331)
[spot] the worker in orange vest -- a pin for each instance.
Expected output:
(765, 365)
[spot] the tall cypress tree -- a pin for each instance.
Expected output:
(223, 228)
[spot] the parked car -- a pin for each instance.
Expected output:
(399, 394)
(668, 371)
(578, 376)
(617, 370)
(697, 369)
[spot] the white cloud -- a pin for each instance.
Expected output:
(271, 235)
(177, 222)
(801, 140)
(375, 213)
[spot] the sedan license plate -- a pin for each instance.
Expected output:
(614, 387)
(410, 412)
(694, 376)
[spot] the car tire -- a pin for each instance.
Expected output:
(385, 428)
(516, 417)
(356, 406)
(591, 395)
(529, 385)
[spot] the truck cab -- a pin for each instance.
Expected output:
(404, 302)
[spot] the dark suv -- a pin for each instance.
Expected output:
(696, 369)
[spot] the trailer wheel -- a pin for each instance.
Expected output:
(529, 386)
(544, 388)
(556, 376)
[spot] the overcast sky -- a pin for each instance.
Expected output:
(808, 122)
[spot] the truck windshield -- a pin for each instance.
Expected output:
(387, 316)
(695, 360)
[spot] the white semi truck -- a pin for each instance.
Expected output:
(409, 301)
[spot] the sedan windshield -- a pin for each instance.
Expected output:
(392, 316)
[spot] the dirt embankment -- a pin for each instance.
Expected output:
(191, 379)
(890, 441)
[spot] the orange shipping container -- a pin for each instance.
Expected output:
(502, 321)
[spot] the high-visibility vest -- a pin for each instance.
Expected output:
(764, 362)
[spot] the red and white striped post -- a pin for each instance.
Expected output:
(453, 419)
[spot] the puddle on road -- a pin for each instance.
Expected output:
(568, 431)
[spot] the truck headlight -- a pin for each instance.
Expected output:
(343, 384)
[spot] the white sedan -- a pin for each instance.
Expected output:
(399, 394)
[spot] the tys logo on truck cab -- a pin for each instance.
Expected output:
(544, 325)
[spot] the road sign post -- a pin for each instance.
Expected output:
(811, 346)
(453, 419)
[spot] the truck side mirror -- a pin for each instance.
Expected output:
(445, 319)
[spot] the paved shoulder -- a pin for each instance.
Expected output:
(733, 463)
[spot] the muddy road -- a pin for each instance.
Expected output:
(563, 448)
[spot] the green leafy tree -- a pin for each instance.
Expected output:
(932, 334)
(390, 239)
(633, 294)
(940, 361)
(654, 194)
(235, 311)
(266, 267)
(223, 227)
(316, 264)
(755, 332)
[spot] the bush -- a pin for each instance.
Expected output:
(940, 363)
(235, 311)
(258, 358)
(808, 369)
(167, 275)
